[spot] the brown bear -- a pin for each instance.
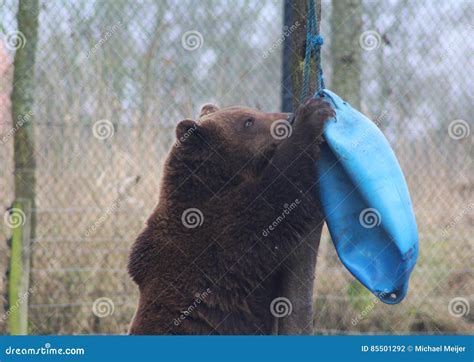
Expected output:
(238, 196)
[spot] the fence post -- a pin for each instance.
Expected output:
(299, 280)
(19, 276)
(22, 97)
(294, 47)
(286, 84)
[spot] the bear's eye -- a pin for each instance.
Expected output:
(248, 122)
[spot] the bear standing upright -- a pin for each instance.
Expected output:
(237, 197)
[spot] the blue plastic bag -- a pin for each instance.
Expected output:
(366, 203)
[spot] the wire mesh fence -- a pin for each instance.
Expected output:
(114, 77)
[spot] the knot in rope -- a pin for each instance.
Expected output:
(316, 41)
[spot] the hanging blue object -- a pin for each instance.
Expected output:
(363, 193)
(366, 203)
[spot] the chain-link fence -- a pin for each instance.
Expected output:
(114, 77)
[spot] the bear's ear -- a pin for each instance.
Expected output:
(185, 129)
(208, 109)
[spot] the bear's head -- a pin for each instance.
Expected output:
(227, 145)
(243, 133)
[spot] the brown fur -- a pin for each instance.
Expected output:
(222, 275)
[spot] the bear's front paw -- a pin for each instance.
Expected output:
(311, 116)
(315, 109)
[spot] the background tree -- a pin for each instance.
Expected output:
(346, 28)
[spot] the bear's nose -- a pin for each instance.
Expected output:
(291, 118)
